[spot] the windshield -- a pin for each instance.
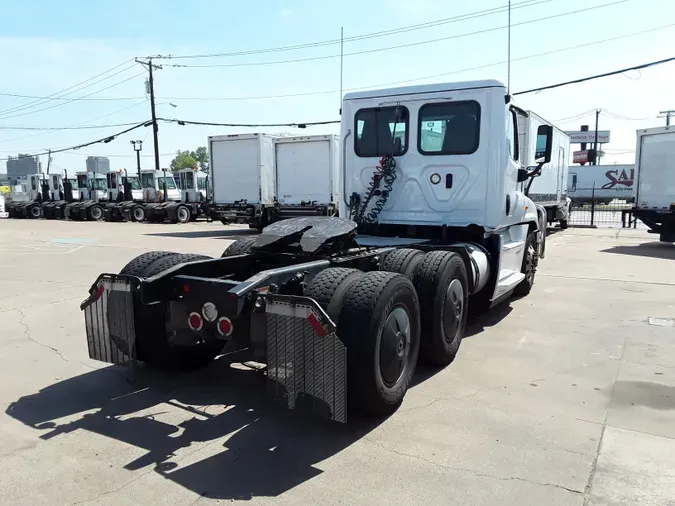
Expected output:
(98, 184)
(133, 181)
(147, 180)
(381, 131)
(170, 183)
(201, 182)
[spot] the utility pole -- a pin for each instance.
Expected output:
(151, 84)
(667, 114)
(49, 159)
(595, 144)
(138, 157)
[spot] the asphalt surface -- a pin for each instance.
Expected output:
(565, 397)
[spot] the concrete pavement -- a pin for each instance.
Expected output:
(566, 397)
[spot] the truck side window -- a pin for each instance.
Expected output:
(512, 134)
(449, 128)
(381, 131)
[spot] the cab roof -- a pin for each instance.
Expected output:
(426, 88)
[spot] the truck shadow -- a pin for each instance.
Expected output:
(652, 249)
(222, 233)
(255, 449)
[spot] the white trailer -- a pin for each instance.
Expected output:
(306, 179)
(655, 180)
(601, 183)
(549, 189)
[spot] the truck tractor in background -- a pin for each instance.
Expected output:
(434, 220)
(28, 202)
(60, 195)
(92, 191)
(157, 188)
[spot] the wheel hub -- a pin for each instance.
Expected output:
(453, 310)
(395, 345)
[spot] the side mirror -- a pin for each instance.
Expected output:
(544, 144)
(523, 175)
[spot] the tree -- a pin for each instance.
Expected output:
(189, 159)
(183, 160)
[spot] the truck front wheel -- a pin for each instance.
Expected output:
(443, 289)
(529, 266)
(379, 325)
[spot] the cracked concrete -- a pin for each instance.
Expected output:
(564, 397)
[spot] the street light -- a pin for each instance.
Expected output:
(138, 146)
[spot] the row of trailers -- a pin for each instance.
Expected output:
(153, 196)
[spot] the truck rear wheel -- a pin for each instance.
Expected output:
(152, 345)
(404, 261)
(529, 266)
(379, 324)
(138, 213)
(329, 287)
(35, 211)
(239, 247)
(182, 214)
(95, 213)
(443, 289)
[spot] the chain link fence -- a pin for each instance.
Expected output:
(599, 210)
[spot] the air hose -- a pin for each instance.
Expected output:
(386, 171)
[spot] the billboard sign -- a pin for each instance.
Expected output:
(579, 136)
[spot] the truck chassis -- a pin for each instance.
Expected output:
(329, 318)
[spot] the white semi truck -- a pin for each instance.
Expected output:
(433, 221)
(550, 188)
(601, 183)
(259, 179)
(655, 181)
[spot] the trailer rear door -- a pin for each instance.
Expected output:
(304, 170)
(656, 170)
(235, 168)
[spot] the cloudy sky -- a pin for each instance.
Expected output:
(48, 48)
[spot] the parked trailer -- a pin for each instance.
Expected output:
(306, 176)
(655, 180)
(601, 183)
(340, 309)
(550, 188)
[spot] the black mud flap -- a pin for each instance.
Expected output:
(109, 320)
(306, 361)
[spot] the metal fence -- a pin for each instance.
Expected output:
(597, 210)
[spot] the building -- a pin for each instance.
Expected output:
(98, 164)
(22, 166)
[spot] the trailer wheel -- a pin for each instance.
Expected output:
(443, 289)
(95, 213)
(240, 246)
(138, 265)
(138, 213)
(152, 345)
(529, 267)
(380, 325)
(404, 261)
(35, 211)
(182, 214)
(329, 287)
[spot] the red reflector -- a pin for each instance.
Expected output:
(316, 324)
(99, 292)
(225, 326)
(186, 288)
(195, 321)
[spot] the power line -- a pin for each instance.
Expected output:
(65, 92)
(597, 76)
(72, 100)
(354, 38)
(250, 125)
(420, 78)
(101, 99)
(400, 46)
(104, 140)
(67, 127)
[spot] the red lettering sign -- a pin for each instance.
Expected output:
(615, 178)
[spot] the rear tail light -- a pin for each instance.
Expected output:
(225, 327)
(195, 322)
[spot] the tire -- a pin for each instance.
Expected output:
(138, 265)
(404, 261)
(239, 247)
(95, 213)
(564, 224)
(183, 214)
(35, 211)
(329, 287)
(443, 289)
(152, 346)
(373, 308)
(138, 213)
(529, 265)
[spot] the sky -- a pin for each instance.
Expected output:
(48, 47)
